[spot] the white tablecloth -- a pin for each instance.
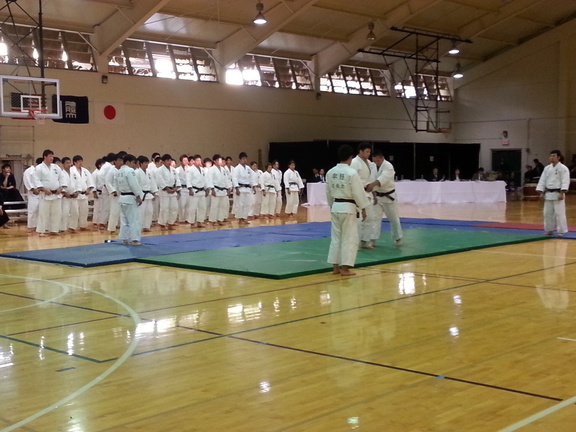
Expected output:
(423, 192)
(316, 193)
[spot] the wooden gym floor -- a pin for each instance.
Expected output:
(478, 341)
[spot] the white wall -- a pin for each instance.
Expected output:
(188, 117)
(528, 92)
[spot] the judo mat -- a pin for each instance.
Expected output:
(229, 239)
(305, 257)
(116, 253)
(536, 227)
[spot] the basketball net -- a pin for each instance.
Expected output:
(32, 115)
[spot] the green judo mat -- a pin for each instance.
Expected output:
(305, 257)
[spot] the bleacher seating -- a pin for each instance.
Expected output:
(19, 212)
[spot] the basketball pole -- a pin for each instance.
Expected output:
(41, 37)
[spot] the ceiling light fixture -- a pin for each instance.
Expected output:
(259, 20)
(371, 36)
(457, 74)
(454, 50)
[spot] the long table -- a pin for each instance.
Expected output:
(423, 192)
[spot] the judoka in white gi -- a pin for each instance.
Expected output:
(243, 189)
(346, 195)
(149, 189)
(367, 171)
(196, 181)
(218, 183)
(104, 210)
(553, 185)
(183, 192)
(97, 193)
(32, 186)
(113, 196)
(256, 201)
(293, 185)
(268, 187)
(69, 194)
(168, 184)
(383, 188)
(155, 163)
(50, 208)
(277, 174)
(130, 198)
(84, 186)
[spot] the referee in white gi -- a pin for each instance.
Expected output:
(553, 185)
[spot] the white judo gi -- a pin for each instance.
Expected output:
(104, 207)
(386, 201)
(268, 186)
(277, 174)
(196, 181)
(32, 184)
(129, 188)
(554, 182)
(242, 183)
(149, 190)
(84, 185)
(367, 171)
(218, 181)
(113, 199)
(50, 207)
(168, 183)
(292, 185)
(345, 193)
(182, 193)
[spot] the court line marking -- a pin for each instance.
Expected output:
(372, 363)
(469, 284)
(566, 339)
(119, 362)
(64, 292)
(539, 415)
(47, 348)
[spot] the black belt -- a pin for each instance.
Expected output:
(183, 185)
(99, 190)
(386, 194)
(244, 185)
(342, 200)
(293, 184)
(271, 187)
(553, 190)
(197, 189)
(145, 193)
(220, 188)
(126, 193)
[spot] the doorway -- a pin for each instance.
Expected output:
(508, 164)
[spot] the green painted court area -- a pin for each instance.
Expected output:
(300, 258)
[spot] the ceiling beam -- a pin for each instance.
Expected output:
(121, 3)
(339, 53)
(247, 38)
(492, 19)
(347, 10)
(121, 24)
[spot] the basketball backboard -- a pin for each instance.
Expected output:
(29, 97)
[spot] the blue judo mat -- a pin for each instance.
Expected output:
(116, 253)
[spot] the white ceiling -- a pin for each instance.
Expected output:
(325, 32)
